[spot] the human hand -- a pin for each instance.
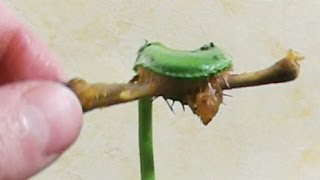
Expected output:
(39, 117)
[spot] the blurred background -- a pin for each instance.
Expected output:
(263, 133)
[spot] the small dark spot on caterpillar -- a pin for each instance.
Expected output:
(215, 57)
(205, 47)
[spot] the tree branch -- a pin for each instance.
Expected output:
(100, 95)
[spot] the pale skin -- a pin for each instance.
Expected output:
(31, 112)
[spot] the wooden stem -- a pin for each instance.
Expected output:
(287, 69)
(100, 95)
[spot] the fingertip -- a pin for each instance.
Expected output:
(26, 57)
(23, 55)
(62, 111)
(38, 121)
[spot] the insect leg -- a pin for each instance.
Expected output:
(172, 103)
(212, 91)
(171, 108)
(183, 108)
(154, 98)
(228, 95)
(226, 82)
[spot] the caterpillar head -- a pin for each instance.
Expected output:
(205, 104)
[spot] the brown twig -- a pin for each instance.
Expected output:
(100, 95)
(287, 69)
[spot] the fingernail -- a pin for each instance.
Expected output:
(36, 125)
(52, 116)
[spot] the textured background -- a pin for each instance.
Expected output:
(269, 132)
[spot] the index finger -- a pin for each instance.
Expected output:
(23, 56)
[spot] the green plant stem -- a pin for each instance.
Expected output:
(145, 139)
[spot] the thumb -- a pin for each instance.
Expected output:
(38, 121)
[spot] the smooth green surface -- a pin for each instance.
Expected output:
(145, 139)
(200, 63)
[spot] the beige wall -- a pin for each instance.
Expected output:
(263, 133)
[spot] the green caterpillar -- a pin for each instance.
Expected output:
(200, 63)
(182, 71)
